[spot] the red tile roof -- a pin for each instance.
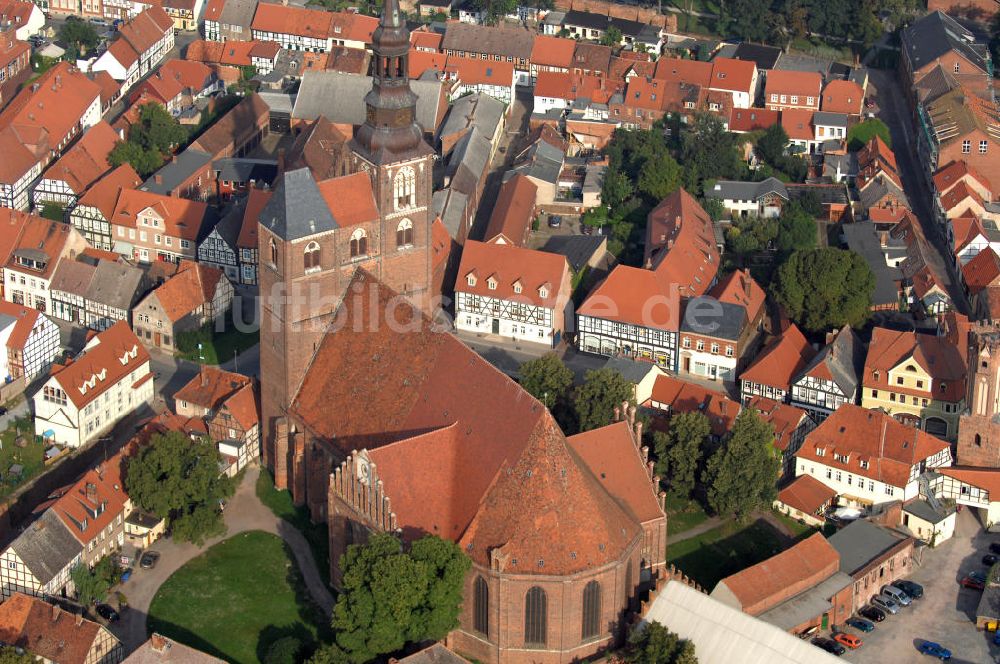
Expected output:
(936, 355)
(513, 211)
(283, 19)
(192, 286)
(797, 123)
(110, 356)
(623, 297)
(962, 197)
(40, 235)
(783, 418)
(140, 34)
(888, 448)
(981, 271)
(182, 218)
(752, 119)
(680, 241)
(191, 75)
(739, 288)
(211, 387)
(95, 501)
(424, 39)
(553, 51)
(482, 72)
(511, 267)
(103, 195)
(351, 199)
(840, 96)
(421, 61)
(680, 396)
(807, 494)
(733, 75)
(244, 406)
(781, 577)
(24, 322)
(256, 201)
(984, 478)
(801, 83)
(47, 631)
(17, 158)
(781, 360)
(87, 161)
(965, 230)
(955, 171)
(692, 72)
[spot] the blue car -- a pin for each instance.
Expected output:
(935, 650)
(861, 624)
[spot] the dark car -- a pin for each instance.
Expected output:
(861, 624)
(587, 229)
(995, 547)
(935, 650)
(108, 613)
(830, 646)
(872, 613)
(3, 411)
(148, 559)
(555, 221)
(914, 590)
(972, 582)
(990, 559)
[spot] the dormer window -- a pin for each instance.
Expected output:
(471, 279)
(491, 283)
(864, 464)
(820, 451)
(517, 287)
(543, 292)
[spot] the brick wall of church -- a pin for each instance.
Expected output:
(978, 435)
(978, 442)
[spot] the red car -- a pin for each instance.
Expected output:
(975, 584)
(848, 640)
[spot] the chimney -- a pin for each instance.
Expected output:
(204, 377)
(638, 432)
(158, 179)
(747, 285)
(158, 643)
(78, 618)
(55, 612)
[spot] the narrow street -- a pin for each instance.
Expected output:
(893, 110)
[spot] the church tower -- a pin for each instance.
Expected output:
(313, 236)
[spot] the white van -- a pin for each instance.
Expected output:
(897, 594)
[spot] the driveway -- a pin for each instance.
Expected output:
(244, 512)
(945, 614)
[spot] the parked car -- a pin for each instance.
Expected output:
(995, 547)
(108, 613)
(861, 624)
(849, 640)
(935, 650)
(99, 21)
(555, 221)
(872, 613)
(830, 646)
(897, 594)
(972, 583)
(914, 590)
(886, 603)
(990, 559)
(587, 229)
(148, 559)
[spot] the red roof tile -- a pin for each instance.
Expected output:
(783, 418)
(192, 286)
(680, 242)
(692, 72)
(680, 396)
(513, 211)
(955, 171)
(797, 123)
(752, 119)
(553, 52)
(512, 268)
(424, 39)
(982, 271)
(421, 61)
(351, 198)
(984, 478)
(781, 360)
(80, 508)
(733, 75)
(739, 288)
(807, 494)
(24, 322)
(211, 387)
(935, 355)
(800, 83)
(482, 72)
(182, 218)
(109, 357)
(256, 201)
(47, 631)
(283, 19)
(87, 161)
(43, 236)
(965, 230)
(961, 197)
(840, 96)
(103, 195)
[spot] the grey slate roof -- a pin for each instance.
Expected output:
(341, 98)
(630, 370)
(241, 169)
(765, 57)
(828, 119)
(468, 162)
(743, 191)
(578, 249)
(861, 542)
(807, 63)
(848, 164)
(229, 227)
(593, 179)
(450, 206)
(513, 42)
(845, 359)
(862, 238)
(877, 189)
(707, 316)
(921, 509)
(297, 209)
(175, 172)
(476, 110)
(541, 161)
(115, 284)
(238, 12)
(277, 102)
(46, 546)
(808, 604)
(930, 37)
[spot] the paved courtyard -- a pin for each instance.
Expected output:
(946, 613)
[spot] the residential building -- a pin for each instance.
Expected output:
(94, 291)
(496, 44)
(294, 28)
(92, 214)
(511, 292)
(958, 188)
(225, 20)
(737, 78)
(843, 96)
(148, 227)
(832, 378)
(776, 366)
(874, 556)
(78, 168)
(495, 79)
(246, 241)
(959, 125)
(758, 199)
(15, 57)
(41, 245)
(553, 54)
(790, 424)
(868, 457)
(745, 120)
(593, 26)
(18, 169)
(939, 42)
(177, 85)
(513, 213)
(39, 559)
(220, 247)
(917, 378)
(27, 18)
(793, 89)
(108, 379)
(798, 590)
(141, 44)
(31, 342)
(894, 257)
(195, 295)
(184, 13)
(94, 510)
(806, 500)
(670, 396)
(55, 635)
(158, 649)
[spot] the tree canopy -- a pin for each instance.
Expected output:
(10, 655)
(796, 229)
(79, 37)
(93, 585)
(680, 451)
(659, 176)
(177, 478)
(596, 399)
(392, 597)
(547, 379)
(655, 644)
(742, 474)
(861, 133)
(708, 150)
(150, 140)
(825, 288)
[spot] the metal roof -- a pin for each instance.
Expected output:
(861, 542)
(808, 604)
(297, 208)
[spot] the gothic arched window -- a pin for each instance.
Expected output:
(359, 243)
(481, 606)
(310, 257)
(535, 617)
(404, 233)
(591, 610)
(404, 187)
(274, 252)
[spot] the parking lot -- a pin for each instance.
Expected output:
(945, 614)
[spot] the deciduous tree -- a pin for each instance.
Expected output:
(741, 475)
(93, 585)
(659, 176)
(547, 379)
(596, 399)
(796, 229)
(680, 451)
(655, 644)
(825, 288)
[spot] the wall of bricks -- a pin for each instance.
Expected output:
(628, 12)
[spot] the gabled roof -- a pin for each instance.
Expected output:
(732, 75)
(785, 419)
(874, 444)
(862, 541)
(781, 360)
(300, 21)
(806, 494)
(255, 203)
(801, 83)
(739, 190)
(87, 161)
(693, 72)
(929, 38)
(798, 123)
(43, 241)
(23, 320)
(840, 361)
(161, 650)
(513, 210)
(552, 51)
(510, 268)
(94, 502)
(191, 287)
(211, 387)
(182, 218)
(680, 396)
(954, 172)
(981, 271)
(840, 96)
(103, 195)
(514, 42)
(765, 57)
(110, 356)
(48, 632)
(681, 244)
(752, 119)
(46, 547)
(962, 197)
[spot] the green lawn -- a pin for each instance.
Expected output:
(683, 515)
(317, 534)
(799, 530)
(31, 457)
(724, 550)
(236, 599)
(216, 347)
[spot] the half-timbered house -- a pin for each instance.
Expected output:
(219, 248)
(832, 378)
(93, 213)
